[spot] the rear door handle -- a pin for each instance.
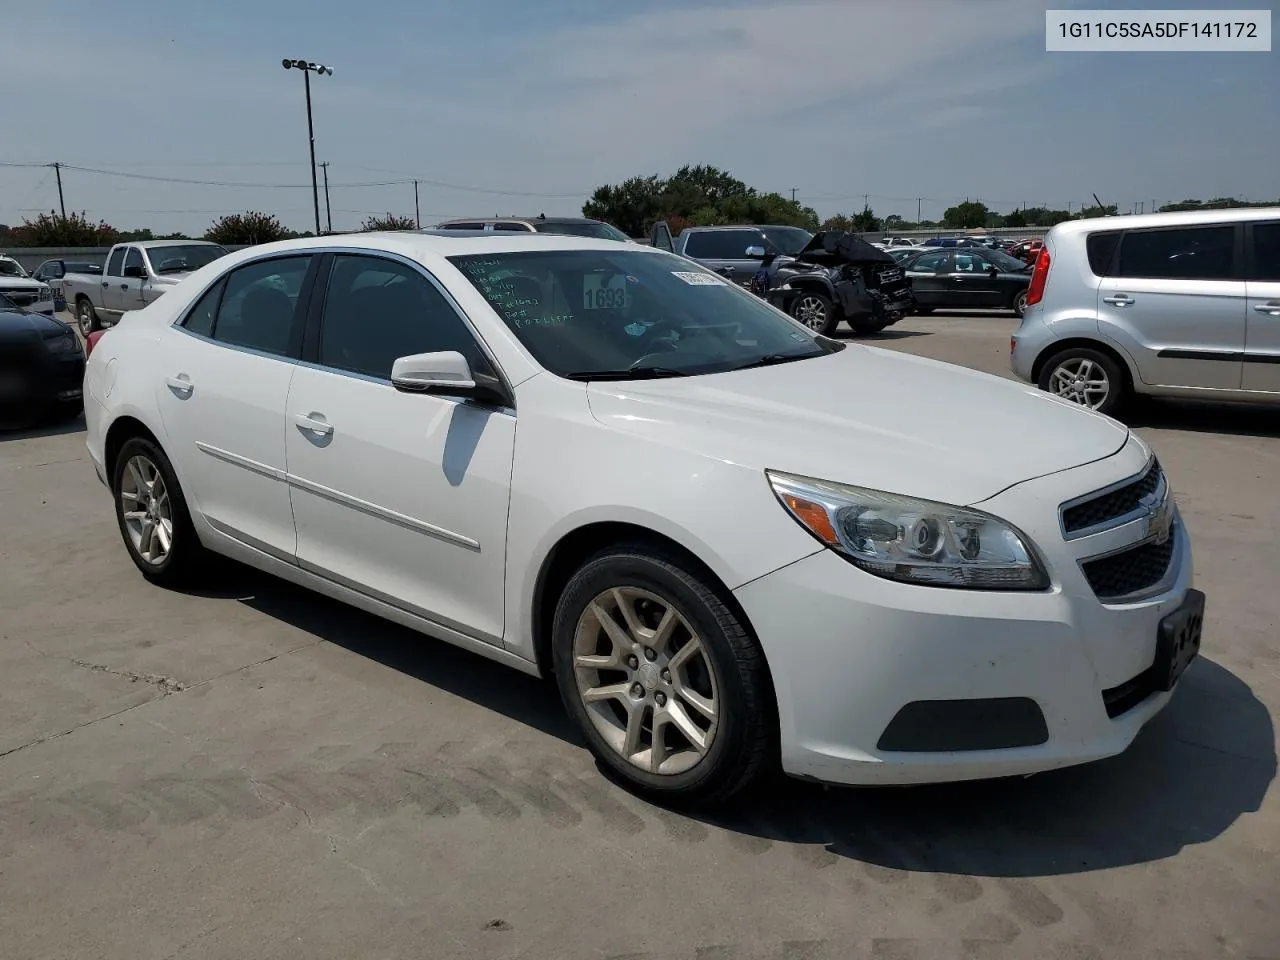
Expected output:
(181, 385)
(1119, 300)
(1272, 308)
(314, 424)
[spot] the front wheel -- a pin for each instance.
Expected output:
(87, 317)
(816, 312)
(1086, 376)
(669, 688)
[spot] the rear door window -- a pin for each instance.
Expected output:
(931, 263)
(1266, 251)
(259, 308)
(116, 262)
(1183, 253)
(722, 244)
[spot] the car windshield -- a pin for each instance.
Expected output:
(598, 231)
(181, 259)
(11, 268)
(1006, 262)
(627, 314)
(788, 240)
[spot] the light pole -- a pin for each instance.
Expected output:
(308, 67)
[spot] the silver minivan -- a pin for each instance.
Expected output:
(1167, 304)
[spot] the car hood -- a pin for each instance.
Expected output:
(869, 417)
(835, 247)
(19, 323)
(19, 283)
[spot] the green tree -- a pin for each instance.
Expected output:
(866, 221)
(838, 222)
(1015, 219)
(1089, 212)
(52, 230)
(969, 214)
(700, 195)
(390, 222)
(246, 228)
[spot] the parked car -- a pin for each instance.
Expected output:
(901, 253)
(22, 290)
(1166, 305)
(894, 243)
(52, 272)
(1027, 250)
(562, 226)
(726, 537)
(41, 367)
(837, 276)
(969, 277)
(950, 242)
(725, 249)
(135, 275)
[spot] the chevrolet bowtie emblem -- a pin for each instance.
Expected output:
(1159, 519)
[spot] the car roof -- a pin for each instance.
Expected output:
(529, 220)
(1186, 218)
(147, 244)
(742, 226)
(424, 244)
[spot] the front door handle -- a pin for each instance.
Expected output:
(124, 286)
(104, 283)
(314, 423)
(1272, 308)
(181, 385)
(1119, 300)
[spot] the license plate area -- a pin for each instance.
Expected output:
(1178, 641)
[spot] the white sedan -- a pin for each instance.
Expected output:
(732, 542)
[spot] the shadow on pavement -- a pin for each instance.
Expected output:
(1197, 767)
(48, 429)
(890, 333)
(1198, 416)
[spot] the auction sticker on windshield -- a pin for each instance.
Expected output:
(697, 279)
(605, 293)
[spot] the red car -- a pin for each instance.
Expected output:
(1027, 250)
(91, 341)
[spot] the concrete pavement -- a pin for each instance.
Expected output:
(249, 770)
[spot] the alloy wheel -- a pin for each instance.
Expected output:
(85, 316)
(646, 679)
(812, 312)
(147, 510)
(1081, 381)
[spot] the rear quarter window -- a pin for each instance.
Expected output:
(1181, 253)
(1102, 252)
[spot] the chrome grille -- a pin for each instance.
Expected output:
(1111, 505)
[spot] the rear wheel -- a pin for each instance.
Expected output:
(670, 690)
(816, 312)
(87, 317)
(1088, 377)
(152, 514)
(1019, 304)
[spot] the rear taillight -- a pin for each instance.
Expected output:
(1038, 277)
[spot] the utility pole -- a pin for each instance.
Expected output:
(917, 213)
(793, 194)
(417, 216)
(866, 201)
(57, 169)
(328, 214)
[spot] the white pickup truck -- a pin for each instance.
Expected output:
(135, 275)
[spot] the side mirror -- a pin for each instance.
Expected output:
(443, 372)
(993, 270)
(134, 272)
(755, 253)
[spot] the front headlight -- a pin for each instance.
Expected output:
(64, 343)
(913, 541)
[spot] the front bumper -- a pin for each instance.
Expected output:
(850, 652)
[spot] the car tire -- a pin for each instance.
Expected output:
(87, 317)
(1067, 374)
(867, 326)
(815, 311)
(707, 676)
(147, 514)
(1019, 304)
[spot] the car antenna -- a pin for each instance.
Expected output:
(1101, 208)
(542, 216)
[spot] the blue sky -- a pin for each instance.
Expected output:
(533, 103)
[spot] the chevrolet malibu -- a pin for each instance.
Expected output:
(733, 543)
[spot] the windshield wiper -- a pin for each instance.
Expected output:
(769, 359)
(630, 373)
